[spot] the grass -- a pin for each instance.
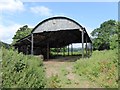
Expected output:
(21, 71)
(101, 68)
(66, 77)
(66, 53)
(98, 71)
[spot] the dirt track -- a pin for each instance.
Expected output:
(56, 66)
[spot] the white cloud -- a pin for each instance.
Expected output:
(11, 5)
(41, 10)
(7, 32)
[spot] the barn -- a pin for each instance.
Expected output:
(54, 32)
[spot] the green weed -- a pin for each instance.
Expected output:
(100, 68)
(21, 71)
(54, 82)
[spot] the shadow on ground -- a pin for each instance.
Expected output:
(63, 59)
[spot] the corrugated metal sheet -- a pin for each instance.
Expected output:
(56, 24)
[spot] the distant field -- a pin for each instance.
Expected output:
(79, 53)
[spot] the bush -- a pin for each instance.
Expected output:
(21, 71)
(101, 68)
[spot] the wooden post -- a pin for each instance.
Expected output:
(83, 43)
(57, 51)
(47, 50)
(64, 51)
(32, 41)
(26, 49)
(60, 51)
(91, 48)
(86, 48)
(68, 50)
(71, 49)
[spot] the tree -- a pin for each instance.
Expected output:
(5, 45)
(21, 33)
(105, 35)
(113, 42)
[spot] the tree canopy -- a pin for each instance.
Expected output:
(105, 36)
(21, 33)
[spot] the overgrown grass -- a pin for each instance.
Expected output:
(53, 82)
(101, 68)
(21, 71)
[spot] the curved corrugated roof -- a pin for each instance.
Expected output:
(57, 38)
(58, 19)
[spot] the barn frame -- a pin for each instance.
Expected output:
(54, 32)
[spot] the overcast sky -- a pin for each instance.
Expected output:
(16, 13)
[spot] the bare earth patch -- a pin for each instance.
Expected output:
(52, 67)
(55, 67)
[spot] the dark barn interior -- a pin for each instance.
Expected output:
(55, 32)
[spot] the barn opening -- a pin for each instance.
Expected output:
(54, 32)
